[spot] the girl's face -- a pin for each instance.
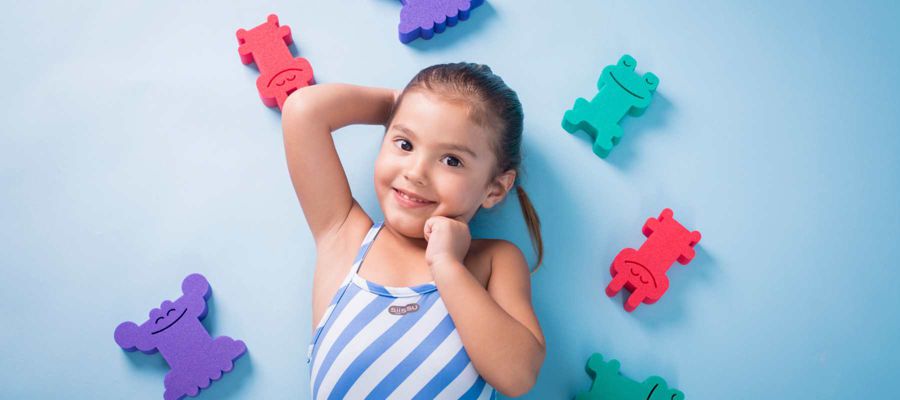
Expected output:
(435, 161)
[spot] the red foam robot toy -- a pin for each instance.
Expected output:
(643, 271)
(280, 74)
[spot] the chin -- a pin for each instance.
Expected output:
(407, 222)
(407, 225)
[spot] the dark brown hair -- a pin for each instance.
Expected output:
(491, 103)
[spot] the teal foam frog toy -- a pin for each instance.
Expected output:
(621, 91)
(610, 385)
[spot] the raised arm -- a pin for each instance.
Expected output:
(309, 117)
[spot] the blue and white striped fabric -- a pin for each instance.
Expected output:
(379, 342)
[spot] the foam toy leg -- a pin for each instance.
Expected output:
(280, 74)
(643, 271)
(620, 91)
(424, 18)
(608, 384)
(174, 329)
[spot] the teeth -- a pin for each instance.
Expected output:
(405, 196)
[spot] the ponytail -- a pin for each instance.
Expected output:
(534, 225)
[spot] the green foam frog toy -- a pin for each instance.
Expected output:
(621, 91)
(610, 385)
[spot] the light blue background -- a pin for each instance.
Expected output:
(135, 150)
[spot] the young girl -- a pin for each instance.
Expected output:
(417, 309)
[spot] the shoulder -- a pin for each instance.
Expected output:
(504, 258)
(488, 258)
(491, 248)
(494, 246)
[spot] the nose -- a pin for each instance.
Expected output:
(416, 172)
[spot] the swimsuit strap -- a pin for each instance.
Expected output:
(364, 247)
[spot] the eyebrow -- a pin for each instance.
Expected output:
(453, 146)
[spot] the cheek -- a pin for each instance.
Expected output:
(387, 168)
(458, 192)
(384, 169)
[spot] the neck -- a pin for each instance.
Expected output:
(404, 242)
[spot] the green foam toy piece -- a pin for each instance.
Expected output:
(610, 385)
(621, 91)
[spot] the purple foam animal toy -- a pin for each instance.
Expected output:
(422, 18)
(175, 330)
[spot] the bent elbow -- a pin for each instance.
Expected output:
(517, 387)
(516, 390)
(293, 104)
(521, 382)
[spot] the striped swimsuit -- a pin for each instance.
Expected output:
(377, 342)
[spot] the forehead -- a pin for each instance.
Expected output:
(432, 118)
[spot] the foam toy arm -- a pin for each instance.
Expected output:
(643, 271)
(174, 329)
(608, 384)
(620, 91)
(424, 18)
(280, 74)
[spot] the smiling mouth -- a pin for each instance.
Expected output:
(623, 86)
(173, 323)
(409, 200)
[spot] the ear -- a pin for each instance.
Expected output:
(196, 284)
(498, 188)
(196, 292)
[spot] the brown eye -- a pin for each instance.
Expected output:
(404, 144)
(453, 161)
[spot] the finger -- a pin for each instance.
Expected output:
(438, 221)
(426, 230)
(429, 223)
(454, 220)
(459, 218)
